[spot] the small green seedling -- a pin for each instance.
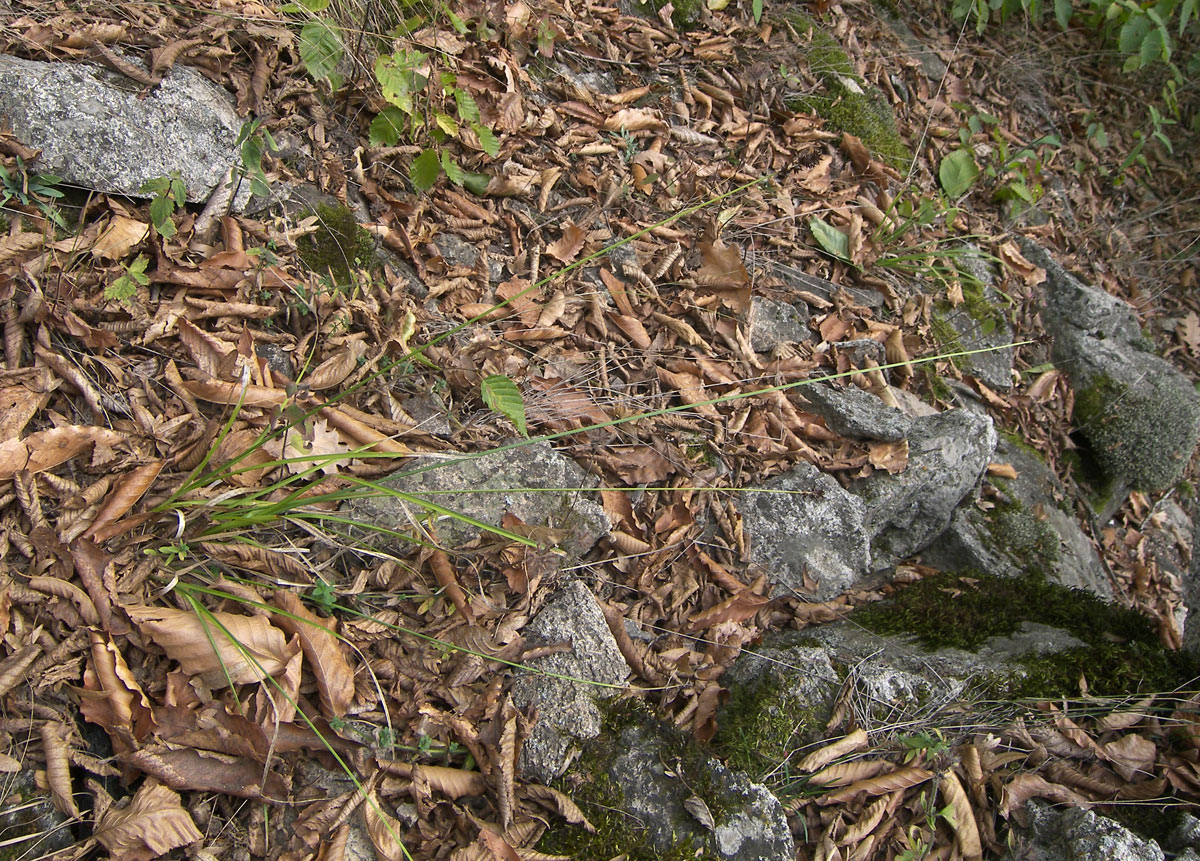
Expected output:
(170, 194)
(126, 286)
(37, 190)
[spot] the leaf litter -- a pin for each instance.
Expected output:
(293, 645)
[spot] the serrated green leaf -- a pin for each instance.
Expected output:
(1153, 48)
(476, 183)
(958, 173)
(157, 185)
(502, 395)
(161, 210)
(488, 141)
(453, 171)
(424, 170)
(320, 49)
(1133, 33)
(387, 127)
(446, 123)
(834, 241)
(468, 110)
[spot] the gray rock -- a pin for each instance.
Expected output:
(773, 323)
(1023, 531)
(456, 251)
(30, 822)
(581, 521)
(852, 412)
(981, 323)
(1169, 534)
(748, 822)
(566, 710)
(1139, 414)
(1185, 836)
(905, 512)
(1077, 835)
(803, 523)
(800, 280)
(95, 130)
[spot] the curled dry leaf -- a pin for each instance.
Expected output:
(151, 825)
(337, 367)
(845, 773)
(443, 570)
(124, 495)
(119, 237)
(260, 649)
(384, 830)
(123, 711)
(58, 767)
(1132, 756)
(46, 449)
(901, 778)
(567, 247)
(559, 802)
(1029, 785)
(206, 771)
(966, 831)
(324, 651)
(821, 757)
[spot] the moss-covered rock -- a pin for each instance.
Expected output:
(1140, 435)
(339, 246)
(685, 14)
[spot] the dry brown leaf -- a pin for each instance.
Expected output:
(567, 247)
(221, 392)
(618, 291)
(1002, 470)
(891, 456)
(1132, 756)
(724, 272)
(865, 823)
(634, 120)
(384, 830)
(1028, 785)
(337, 367)
(207, 771)
(119, 238)
(123, 496)
(47, 449)
(454, 783)
(966, 831)
(1126, 718)
(124, 710)
(443, 570)
(690, 391)
(185, 638)
(325, 652)
(633, 329)
(557, 801)
(737, 608)
(151, 824)
(821, 757)
(56, 749)
(318, 449)
(901, 778)
(641, 464)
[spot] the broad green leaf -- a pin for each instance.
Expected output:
(717, 5)
(459, 25)
(446, 123)
(453, 171)
(834, 241)
(756, 9)
(1062, 12)
(476, 183)
(161, 210)
(468, 110)
(487, 139)
(502, 395)
(1133, 33)
(1186, 10)
(320, 49)
(307, 6)
(958, 173)
(388, 126)
(1153, 48)
(424, 170)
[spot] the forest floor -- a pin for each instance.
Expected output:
(150, 517)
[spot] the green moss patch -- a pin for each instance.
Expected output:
(762, 724)
(685, 14)
(339, 246)
(964, 610)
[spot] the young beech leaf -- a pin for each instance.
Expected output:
(320, 49)
(958, 172)
(424, 170)
(387, 126)
(487, 139)
(834, 241)
(452, 168)
(502, 395)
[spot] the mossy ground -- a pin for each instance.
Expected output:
(685, 14)
(1123, 654)
(848, 104)
(1137, 434)
(761, 726)
(589, 785)
(1023, 536)
(339, 246)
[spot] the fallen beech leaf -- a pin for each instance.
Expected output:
(57, 751)
(1028, 785)
(1132, 756)
(337, 367)
(384, 830)
(123, 711)
(46, 449)
(307, 450)
(640, 464)
(822, 756)
(901, 778)
(185, 638)
(634, 120)
(560, 803)
(443, 570)
(966, 831)
(1002, 470)
(119, 238)
(152, 824)
(207, 771)
(324, 651)
(567, 247)
(123, 496)
(724, 273)
(891, 456)
(845, 773)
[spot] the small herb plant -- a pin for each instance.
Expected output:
(126, 286)
(254, 141)
(37, 190)
(170, 194)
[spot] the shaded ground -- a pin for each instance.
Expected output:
(122, 412)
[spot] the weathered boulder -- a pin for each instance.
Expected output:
(478, 487)
(947, 455)
(774, 323)
(667, 793)
(1074, 834)
(1023, 531)
(96, 130)
(1140, 416)
(559, 689)
(805, 527)
(851, 412)
(980, 322)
